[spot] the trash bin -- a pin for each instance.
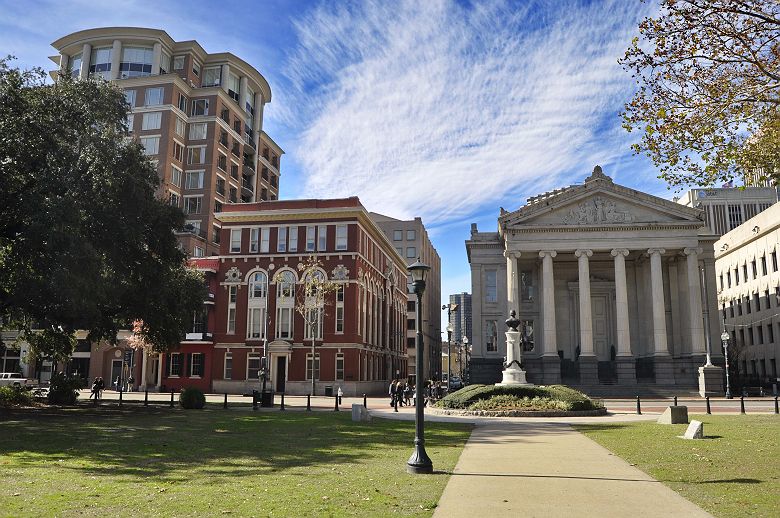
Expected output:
(267, 399)
(328, 390)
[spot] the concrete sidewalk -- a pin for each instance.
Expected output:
(547, 469)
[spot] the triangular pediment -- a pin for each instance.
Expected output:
(600, 203)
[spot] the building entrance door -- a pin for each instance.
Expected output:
(281, 373)
(116, 371)
(600, 311)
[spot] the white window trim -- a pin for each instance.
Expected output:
(228, 356)
(234, 232)
(231, 306)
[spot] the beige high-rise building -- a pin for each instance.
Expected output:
(411, 241)
(199, 116)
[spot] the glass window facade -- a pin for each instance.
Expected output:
(136, 62)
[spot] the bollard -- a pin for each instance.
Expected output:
(282, 407)
(777, 408)
(336, 405)
(308, 402)
(171, 398)
(120, 398)
(708, 405)
(254, 400)
(224, 405)
(741, 404)
(366, 406)
(675, 400)
(146, 397)
(638, 406)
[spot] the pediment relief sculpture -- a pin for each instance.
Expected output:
(596, 210)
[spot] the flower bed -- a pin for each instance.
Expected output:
(530, 400)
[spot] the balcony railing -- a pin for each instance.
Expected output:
(248, 170)
(200, 336)
(195, 231)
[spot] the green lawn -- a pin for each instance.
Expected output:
(735, 471)
(210, 462)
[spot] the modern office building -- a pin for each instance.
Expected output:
(726, 208)
(411, 241)
(199, 116)
(250, 317)
(746, 262)
(460, 318)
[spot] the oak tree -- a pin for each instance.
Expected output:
(84, 241)
(708, 98)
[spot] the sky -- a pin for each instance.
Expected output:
(441, 109)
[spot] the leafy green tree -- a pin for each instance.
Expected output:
(84, 241)
(708, 102)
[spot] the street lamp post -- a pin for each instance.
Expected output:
(725, 339)
(449, 357)
(419, 462)
(467, 347)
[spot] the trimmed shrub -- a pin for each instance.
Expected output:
(568, 397)
(192, 398)
(13, 396)
(63, 390)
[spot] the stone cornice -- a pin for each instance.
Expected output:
(678, 225)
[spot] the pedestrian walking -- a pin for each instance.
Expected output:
(391, 392)
(95, 389)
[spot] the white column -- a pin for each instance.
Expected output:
(243, 86)
(159, 369)
(659, 311)
(548, 303)
(586, 312)
(156, 58)
(86, 57)
(64, 60)
(116, 57)
(511, 281)
(621, 303)
(144, 361)
(694, 301)
(223, 82)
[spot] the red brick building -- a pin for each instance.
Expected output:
(250, 318)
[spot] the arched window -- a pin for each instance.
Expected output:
(258, 285)
(285, 304)
(285, 287)
(257, 305)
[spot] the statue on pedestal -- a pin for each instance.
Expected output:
(513, 372)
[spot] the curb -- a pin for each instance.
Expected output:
(521, 413)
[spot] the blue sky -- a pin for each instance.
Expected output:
(440, 109)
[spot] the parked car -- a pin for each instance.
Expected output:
(456, 383)
(14, 379)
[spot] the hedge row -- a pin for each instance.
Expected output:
(468, 396)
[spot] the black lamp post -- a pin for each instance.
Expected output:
(725, 339)
(468, 360)
(419, 462)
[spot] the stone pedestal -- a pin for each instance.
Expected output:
(664, 370)
(710, 381)
(513, 374)
(589, 370)
(551, 370)
(626, 370)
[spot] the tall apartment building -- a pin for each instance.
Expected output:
(411, 241)
(461, 317)
(726, 208)
(199, 116)
(748, 276)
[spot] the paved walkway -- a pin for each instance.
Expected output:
(541, 467)
(549, 470)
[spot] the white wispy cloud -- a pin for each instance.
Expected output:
(432, 109)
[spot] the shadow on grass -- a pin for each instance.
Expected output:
(161, 443)
(732, 481)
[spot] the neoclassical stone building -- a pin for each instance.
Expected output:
(614, 288)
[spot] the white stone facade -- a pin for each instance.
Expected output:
(748, 279)
(608, 283)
